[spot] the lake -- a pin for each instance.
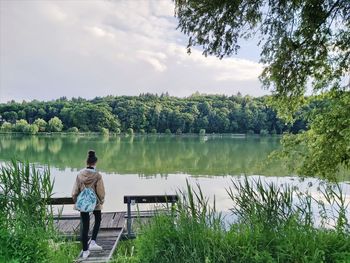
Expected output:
(155, 164)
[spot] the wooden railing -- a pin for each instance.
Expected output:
(128, 200)
(144, 199)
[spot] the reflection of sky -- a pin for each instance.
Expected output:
(118, 185)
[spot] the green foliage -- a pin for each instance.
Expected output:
(31, 129)
(324, 149)
(214, 113)
(142, 131)
(55, 125)
(117, 131)
(73, 130)
(26, 222)
(125, 253)
(303, 43)
(167, 131)
(21, 125)
(178, 131)
(6, 127)
(154, 131)
(202, 132)
(274, 224)
(301, 40)
(42, 124)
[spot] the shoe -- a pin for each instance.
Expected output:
(85, 254)
(94, 246)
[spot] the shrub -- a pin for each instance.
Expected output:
(202, 132)
(167, 131)
(117, 131)
(6, 127)
(55, 125)
(21, 125)
(142, 131)
(178, 131)
(154, 131)
(130, 131)
(42, 124)
(73, 130)
(31, 129)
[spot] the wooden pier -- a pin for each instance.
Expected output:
(113, 226)
(111, 230)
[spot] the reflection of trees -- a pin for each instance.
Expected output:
(150, 154)
(55, 145)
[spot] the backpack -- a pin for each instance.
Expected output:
(86, 200)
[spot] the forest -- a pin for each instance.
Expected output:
(149, 113)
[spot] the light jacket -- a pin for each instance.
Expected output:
(93, 179)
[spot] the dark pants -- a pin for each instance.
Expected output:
(85, 225)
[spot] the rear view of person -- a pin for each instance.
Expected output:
(89, 178)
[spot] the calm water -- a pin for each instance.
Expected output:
(154, 164)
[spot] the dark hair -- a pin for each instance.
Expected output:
(91, 159)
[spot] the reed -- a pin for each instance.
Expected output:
(273, 224)
(27, 232)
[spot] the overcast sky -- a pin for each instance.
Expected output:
(87, 48)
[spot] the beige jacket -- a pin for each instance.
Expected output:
(93, 179)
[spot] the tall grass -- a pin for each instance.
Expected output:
(273, 224)
(27, 232)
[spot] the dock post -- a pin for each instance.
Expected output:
(130, 233)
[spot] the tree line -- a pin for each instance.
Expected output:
(147, 113)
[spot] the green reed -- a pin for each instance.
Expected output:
(273, 224)
(27, 231)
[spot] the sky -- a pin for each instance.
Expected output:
(88, 48)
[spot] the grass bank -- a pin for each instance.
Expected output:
(273, 224)
(26, 222)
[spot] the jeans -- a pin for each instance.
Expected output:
(85, 225)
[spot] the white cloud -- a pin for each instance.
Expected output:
(93, 48)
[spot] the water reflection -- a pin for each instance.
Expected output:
(150, 155)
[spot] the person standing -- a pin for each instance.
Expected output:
(89, 177)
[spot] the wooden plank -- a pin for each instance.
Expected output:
(109, 241)
(121, 222)
(143, 199)
(148, 213)
(107, 218)
(115, 245)
(60, 201)
(118, 221)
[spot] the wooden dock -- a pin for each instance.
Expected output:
(111, 230)
(113, 224)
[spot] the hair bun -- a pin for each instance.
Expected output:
(91, 153)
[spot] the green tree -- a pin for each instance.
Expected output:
(31, 129)
(55, 125)
(21, 125)
(42, 124)
(302, 42)
(10, 116)
(73, 130)
(6, 127)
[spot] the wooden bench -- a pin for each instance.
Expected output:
(144, 199)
